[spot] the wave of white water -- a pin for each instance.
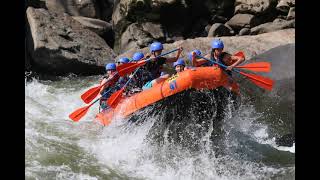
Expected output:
(57, 148)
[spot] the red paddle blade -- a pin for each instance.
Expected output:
(79, 113)
(257, 67)
(115, 98)
(89, 95)
(128, 67)
(240, 54)
(260, 81)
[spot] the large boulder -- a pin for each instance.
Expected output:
(173, 14)
(179, 19)
(254, 6)
(219, 29)
(59, 44)
(240, 21)
(86, 8)
(138, 35)
(244, 31)
(127, 11)
(96, 25)
(291, 14)
(284, 5)
(277, 24)
(154, 29)
(250, 45)
(279, 111)
(102, 28)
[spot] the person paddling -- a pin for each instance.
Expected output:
(217, 55)
(191, 57)
(123, 60)
(179, 66)
(155, 65)
(111, 77)
(141, 76)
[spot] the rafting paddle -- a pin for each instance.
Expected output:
(260, 81)
(116, 97)
(256, 67)
(130, 67)
(122, 70)
(79, 113)
(92, 93)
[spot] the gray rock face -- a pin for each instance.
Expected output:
(155, 30)
(86, 8)
(95, 25)
(244, 31)
(218, 30)
(284, 5)
(137, 36)
(278, 24)
(291, 14)
(254, 6)
(59, 44)
(280, 109)
(124, 13)
(240, 21)
(178, 18)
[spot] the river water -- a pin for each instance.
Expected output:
(58, 148)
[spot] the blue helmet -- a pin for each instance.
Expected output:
(110, 66)
(156, 46)
(198, 52)
(137, 56)
(180, 61)
(124, 60)
(217, 43)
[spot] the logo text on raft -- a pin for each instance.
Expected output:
(174, 77)
(173, 85)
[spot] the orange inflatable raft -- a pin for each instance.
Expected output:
(197, 78)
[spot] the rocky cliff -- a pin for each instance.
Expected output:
(72, 36)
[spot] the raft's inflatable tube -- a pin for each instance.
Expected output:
(196, 78)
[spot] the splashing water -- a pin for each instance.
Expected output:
(57, 148)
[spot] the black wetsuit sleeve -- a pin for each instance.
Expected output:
(161, 61)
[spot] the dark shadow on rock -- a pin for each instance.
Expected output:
(277, 106)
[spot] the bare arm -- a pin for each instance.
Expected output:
(103, 87)
(174, 59)
(160, 79)
(237, 60)
(199, 62)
